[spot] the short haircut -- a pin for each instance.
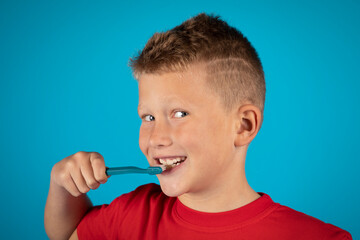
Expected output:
(233, 68)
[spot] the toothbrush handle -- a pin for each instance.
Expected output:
(124, 170)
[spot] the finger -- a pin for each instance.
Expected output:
(88, 174)
(70, 186)
(98, 166)
(79, 180)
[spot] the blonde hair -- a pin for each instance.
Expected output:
(233, 67)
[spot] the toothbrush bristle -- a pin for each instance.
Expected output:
(163, 167)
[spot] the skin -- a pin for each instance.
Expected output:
(67, 202)
(180, 117)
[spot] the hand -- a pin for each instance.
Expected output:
(80, 172)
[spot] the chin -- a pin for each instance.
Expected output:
(171, 190)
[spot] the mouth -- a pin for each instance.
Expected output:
(170, 162)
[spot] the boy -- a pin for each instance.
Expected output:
(201, 101)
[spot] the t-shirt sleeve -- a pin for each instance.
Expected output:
(97, 223)
(105, 221)
(336, 233)
(345, 236)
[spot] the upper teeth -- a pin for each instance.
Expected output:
(171, 161)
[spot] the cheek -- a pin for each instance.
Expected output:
(143, 139)
(209, 141)
(193, 137)
(184, 134)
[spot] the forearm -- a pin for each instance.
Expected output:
(63, 212)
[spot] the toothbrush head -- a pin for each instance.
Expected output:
(155, 170)
(164, 167)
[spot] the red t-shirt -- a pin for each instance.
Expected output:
(147, 213)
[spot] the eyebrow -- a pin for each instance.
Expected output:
(169, 100)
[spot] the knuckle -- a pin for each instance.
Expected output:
(63, 176)
(93, 184)
(58, 168)
(97, 160)
(55, 167)
(101, 179)
(80, 154)
(55, 171)
(70, 164)
(98, 165)
(97, 156)
(63, 179)
(84, 189)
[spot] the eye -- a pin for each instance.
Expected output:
(180, 114)
(148, 118)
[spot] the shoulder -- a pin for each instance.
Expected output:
(150, 188)
(306, 225)
(142, 192)
(144, 195)
(125, 201)
(99, 221)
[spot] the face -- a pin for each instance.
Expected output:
(184, 122)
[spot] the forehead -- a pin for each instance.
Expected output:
(172, 83)
(186, 86)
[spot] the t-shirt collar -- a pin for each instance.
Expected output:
(222, 219)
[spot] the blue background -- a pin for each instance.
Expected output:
(65, 87)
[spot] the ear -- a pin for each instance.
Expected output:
(248, 122)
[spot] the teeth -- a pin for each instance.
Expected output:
(173, 161)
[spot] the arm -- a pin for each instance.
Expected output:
(74, 235)
(67, 201)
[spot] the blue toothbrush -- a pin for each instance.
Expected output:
(126, 170)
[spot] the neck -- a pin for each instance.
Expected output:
(224, 196)
(219, 202)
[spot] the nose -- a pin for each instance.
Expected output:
(160, 135)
